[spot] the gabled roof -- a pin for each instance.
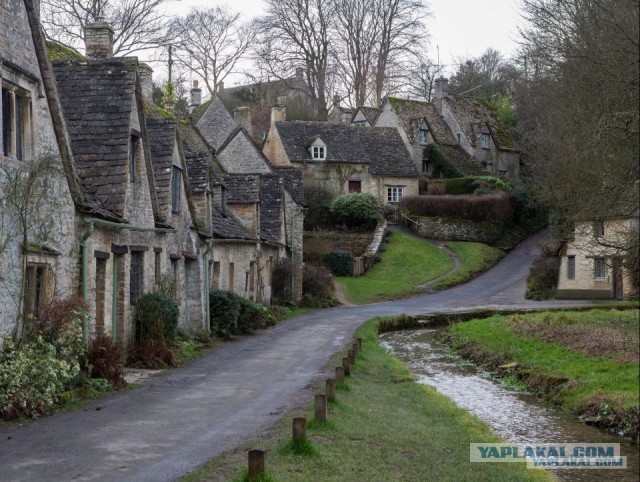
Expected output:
(162, 141)
(271, 208)
(371, 113)
(381, 148)
(97, 98)
(242, 188)
(227, 226)
(292, 177)
(216, 124)
(438, 127)
(201, 165)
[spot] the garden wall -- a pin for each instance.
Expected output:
(456, 229)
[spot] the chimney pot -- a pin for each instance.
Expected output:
(196, 97)
(98, 40)
(278, 113)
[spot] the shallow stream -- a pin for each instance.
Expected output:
(516, 416)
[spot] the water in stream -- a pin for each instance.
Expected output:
(518, 417)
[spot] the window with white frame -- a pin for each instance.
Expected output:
(394, 194)
(600, 268)
(571, 267)
(16, 122)
(319, 152)
(423, 136)
(360, 124)
(484, 141)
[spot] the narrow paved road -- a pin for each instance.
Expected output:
(185, 417)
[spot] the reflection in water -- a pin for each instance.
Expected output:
(515, 416)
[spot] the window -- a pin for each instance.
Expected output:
(484, 141)
(598, 228)
(502, 173)
(136, 276)
(176, 181)
(215, 281)
(133, 152)
(458, 138)
(423, 136)
(571, 267)
(425, 165)
(16, 124)
(157, 271)
(394, 194)
(319, 152)
(101, 282)
(600, 268)
(360, 124)
(355, 186)
(231, 276)
(35, 287)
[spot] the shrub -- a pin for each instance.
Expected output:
(253, 316)
(224, 307)
(317, 286)
(32, 377)
(459, 186)
(543, 275)
(156, 313)
(281, 282)
(153, 351)
(492, 183)
(340, 263)
(356, 209)
(103, 361)
(318, 199)
(491, 207)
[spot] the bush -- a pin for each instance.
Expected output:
(102, 361)
(153, 352)
(460, 186)
(32, 377)
(491, 207)
(356, 209)
(340, 263)
(543, 275)
(281, 282)
(318, 199)
(317, 282)
(156, 313)
(224, 307)
(253, 316)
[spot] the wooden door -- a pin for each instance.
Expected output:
(618, 292)
(355, 186)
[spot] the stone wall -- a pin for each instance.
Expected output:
(449, 229)
(318, 243)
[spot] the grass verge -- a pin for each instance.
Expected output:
(383, 426)
(406, 263)
(475, 258)
(585, 361)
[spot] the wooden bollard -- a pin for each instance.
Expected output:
(346, 367)
(359, 340)
(352, 357)
(256, 463)
(299, 429)
(321, 408)
(356, 349)
(331, 389)
(340, 374)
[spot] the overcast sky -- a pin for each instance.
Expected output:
(461, 28)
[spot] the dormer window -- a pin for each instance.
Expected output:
(423, 136)
(360, 124)
(319, 153)
(484, 140)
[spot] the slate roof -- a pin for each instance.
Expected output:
(162, 138)
(371, 113)
(242, 188)
(271, 208)
(292, 177)
(215, 123)
(97, 98)
(227, 226)
(200, 160)
(381, 148)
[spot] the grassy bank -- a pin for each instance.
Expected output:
(475, 258)
(383, 427)
(585, 361)
(406, 263)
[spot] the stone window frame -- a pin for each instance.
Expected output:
(599, 269)
(38, 280)
(394, 194)
(17, 143)
(598, 228)
(571, 267)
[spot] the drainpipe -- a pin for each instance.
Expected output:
(206, 284)
(85, 278)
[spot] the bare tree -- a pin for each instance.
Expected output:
(297, 34)
(486, 76)
(210, 43)
(421, 77)
(138, 24)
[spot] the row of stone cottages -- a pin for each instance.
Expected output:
(141, 198)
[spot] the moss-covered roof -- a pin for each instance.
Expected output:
(57, 51)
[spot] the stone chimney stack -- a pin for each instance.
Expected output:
(336, 100)
(220, 87)
(300, 73)
(98, 40)
(441, 88)
(278, 113)
(145, 74)
(196, 97)
(242, 115)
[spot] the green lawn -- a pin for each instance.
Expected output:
(594, 352)
(383, 427)
(475, 258)
(406, 263)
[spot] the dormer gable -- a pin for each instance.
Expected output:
(317, 149)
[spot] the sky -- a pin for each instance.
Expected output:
(458, 28)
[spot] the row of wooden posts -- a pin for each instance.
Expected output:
(257, 456)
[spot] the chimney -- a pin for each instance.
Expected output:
(145, 74)
(220, 86)
(98, 40)
(278, 113)
(336, 100)
(300, 73)
(440, 91)
(196, 97)
(242, 115)
(345, 117)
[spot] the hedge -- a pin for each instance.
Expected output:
(154, 311)
(490, 207)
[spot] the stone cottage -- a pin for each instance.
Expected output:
(344, 158)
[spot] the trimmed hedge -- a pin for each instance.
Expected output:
(356, 209)
(154, 312)
(340, 263)
(491, 207)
